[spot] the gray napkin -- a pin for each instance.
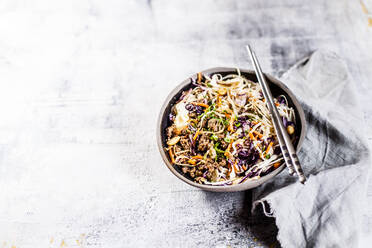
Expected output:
(326, 211)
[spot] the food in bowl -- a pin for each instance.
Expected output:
(221, 132)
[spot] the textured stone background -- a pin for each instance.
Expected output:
(81, 86)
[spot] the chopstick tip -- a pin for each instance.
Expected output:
(302, 179)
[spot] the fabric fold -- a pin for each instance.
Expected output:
(325, 212)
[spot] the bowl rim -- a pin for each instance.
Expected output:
(249, 184)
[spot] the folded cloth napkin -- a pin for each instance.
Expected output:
(326, 211)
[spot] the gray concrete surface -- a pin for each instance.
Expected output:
(81, 86)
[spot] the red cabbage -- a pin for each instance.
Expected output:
(285, 121)
(280, 99)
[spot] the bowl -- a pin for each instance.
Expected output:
(277, 88)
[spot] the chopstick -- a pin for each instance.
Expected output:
(288, 151)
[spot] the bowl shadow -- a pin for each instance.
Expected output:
(236, 215)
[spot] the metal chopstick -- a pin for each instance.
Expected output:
(288, 151)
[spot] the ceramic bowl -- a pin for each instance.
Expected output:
(277, 88)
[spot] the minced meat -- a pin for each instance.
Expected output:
(185, 143)
(222, 162)
(213, 125)
(203, 143)
(170, 131)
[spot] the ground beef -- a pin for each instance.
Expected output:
(177, 148)
(185, 143)
(208, 176)
(215, 165)
(223, 143)
(203, 143)
(247, 143)
(173, 110)
(193, 114)
(201, 167)
(192, 172)
(204, 124)
(222, 162)
(199, 179)
(170, 131)
(184, 131)
(185, 169)
(213, 125)
(210, 166)
(183, 160)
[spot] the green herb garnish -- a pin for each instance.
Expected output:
(214, 137)
(225, 122)
(218, 150)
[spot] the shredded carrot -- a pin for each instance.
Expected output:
(196, 134)
(199, 77)
(276, 165)
(218, 101)
(277, 104)
(171, 155)
(230, 127)
(221, 91)
(191, 161)
(197, 157)
(227, 115)
(254, 138)
(228, 148)
(236, 162)
(193, 120)
(201, 104)
(244, 168)
(258, 134)
(254, 122)
(269, 147)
